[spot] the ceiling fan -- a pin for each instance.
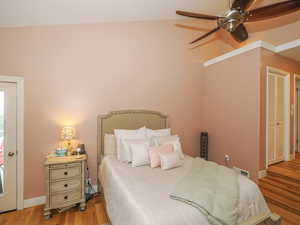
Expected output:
(233, 20)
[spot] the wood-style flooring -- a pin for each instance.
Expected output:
(281, 188)
(93, 215)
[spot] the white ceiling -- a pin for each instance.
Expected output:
(293, 53)
(50, 12)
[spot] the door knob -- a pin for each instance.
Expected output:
(11, 154)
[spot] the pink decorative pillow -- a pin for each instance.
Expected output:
(155, 151)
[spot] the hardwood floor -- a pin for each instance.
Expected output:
(281, 188)
(94, 215)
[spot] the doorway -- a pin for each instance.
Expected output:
(278, 120)
(8, 146)
(11, 142)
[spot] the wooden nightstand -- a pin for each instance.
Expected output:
(65, 183)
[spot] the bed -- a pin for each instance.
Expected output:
(140, 196)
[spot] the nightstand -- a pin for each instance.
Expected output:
(65, 183)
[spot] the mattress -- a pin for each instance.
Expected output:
(140, 195)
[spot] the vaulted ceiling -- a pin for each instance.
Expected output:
(50, 12)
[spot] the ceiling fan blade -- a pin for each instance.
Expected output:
(240, 34)
(274, 10)
(196, 15)
(242, 4)
(205, 35)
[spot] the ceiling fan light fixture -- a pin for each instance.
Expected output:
(233, 20)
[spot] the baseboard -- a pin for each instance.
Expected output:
(262, 174)
(34, 201)
(31, 202)
(292, 157)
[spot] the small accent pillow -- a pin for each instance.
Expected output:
(140, 154)
(158, 133)
(174, 140)
(169, 160)
(110, 147)
(127, 134)
(155, 151)
(127, 148)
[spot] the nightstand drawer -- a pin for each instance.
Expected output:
(65, 185)
(56, 174)
(64, 166)
(63, 199)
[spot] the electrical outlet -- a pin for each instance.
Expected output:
(242, 172)
(88, 181)
(227, 158)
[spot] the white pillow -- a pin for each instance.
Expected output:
(110, 147)
(174, 140)
(169, 160)
(140, 154)
(163, 139)
(158, 133)
(127, 148)
(177, 147)
(127, 134)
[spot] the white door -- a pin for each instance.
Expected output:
(8, 145)
(277, 124)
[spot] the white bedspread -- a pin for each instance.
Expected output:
(140, 196)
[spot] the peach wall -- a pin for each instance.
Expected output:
(269, 58)
(73, 73)
(234, 99)
(231, 110)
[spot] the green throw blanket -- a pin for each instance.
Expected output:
(212, 189)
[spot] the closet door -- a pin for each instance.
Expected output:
(280, 118)
(272, 118)
(276, 118)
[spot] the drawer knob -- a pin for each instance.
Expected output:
(66, 173)
(66, 185)
(66, 197)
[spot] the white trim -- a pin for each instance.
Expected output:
(287, 95)
(251, 46)
(294, 110)
(19, 81)
(262, 174)
(275, 71)
(287, 46)
(293, 156)
(34, 201)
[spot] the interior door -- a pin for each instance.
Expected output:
(272, 118)
(8, 146)
(276, 118)
(280, 118)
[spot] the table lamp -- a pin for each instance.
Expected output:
(67, 134)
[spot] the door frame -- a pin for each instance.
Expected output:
(296, 77)
(19, 81)
(287, 112)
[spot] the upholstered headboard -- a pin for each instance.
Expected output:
(128, 119)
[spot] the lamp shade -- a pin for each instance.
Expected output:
(67, 133)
